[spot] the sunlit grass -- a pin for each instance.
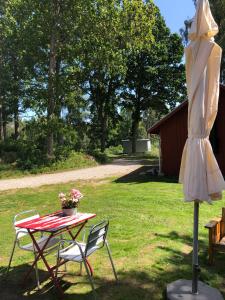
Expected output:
(150, 237)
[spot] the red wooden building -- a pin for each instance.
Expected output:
(172, 130)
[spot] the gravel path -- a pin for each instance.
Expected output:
(117, 168)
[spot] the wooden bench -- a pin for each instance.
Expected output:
(216, 229)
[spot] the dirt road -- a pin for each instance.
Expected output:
(117, 168)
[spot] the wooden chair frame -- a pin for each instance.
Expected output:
(216, 229)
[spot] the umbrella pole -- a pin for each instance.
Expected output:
(192, 289)
(195, 265)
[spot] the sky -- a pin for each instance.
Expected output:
(175, 12)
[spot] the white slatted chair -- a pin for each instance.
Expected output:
(79, 252)
(22, 233)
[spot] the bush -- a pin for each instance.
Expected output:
(100, 157)
(114, 150)
(9, 157)
(73, 161)
(26, 154)
(30, 156)
(8, 146)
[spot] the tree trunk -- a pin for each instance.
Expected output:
(4, 130)
(16, 97)
(136, 117)
(1, 123)
(4, 123)
(16, 122)
(51, 82)
(105, 116)
(60, 136)
(134, 131)
(51, 96)
(104, 120)
(101, 129)
(103, 133)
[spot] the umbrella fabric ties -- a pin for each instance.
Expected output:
(199, 172)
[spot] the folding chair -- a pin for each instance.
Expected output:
(79, 252)
(22, 233)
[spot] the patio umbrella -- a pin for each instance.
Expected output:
(200, 174)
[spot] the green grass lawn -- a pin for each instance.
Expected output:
(150, 237)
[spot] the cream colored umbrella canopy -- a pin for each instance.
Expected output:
(200, 174)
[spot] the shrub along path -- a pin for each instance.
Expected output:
(118, 167)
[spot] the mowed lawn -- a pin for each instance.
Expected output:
(150, 237)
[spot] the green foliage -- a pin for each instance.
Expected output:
(74, 160)
(218, 10)
(155, 77)
(114, 150)
(154, 153)
(151, 116)
(30, 156)
(8, 151)
(142, 133)
(116, 29)
(100, 157)
(66, 63)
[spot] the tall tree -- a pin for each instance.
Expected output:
(55, 11)
(115, 27)
(218, 11)
(48, 39)
(155, 76)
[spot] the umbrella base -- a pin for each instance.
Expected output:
(182, 290)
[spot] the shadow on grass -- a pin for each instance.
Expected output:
(130, 287)
(145, 174)
(145, 283)
(182, 261)
(12, 285)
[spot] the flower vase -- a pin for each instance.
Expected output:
(69, 211)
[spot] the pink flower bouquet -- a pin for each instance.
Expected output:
(70, 200)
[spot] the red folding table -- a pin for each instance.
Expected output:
(54, 224)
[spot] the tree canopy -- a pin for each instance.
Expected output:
(218, 11)
(79, 69)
